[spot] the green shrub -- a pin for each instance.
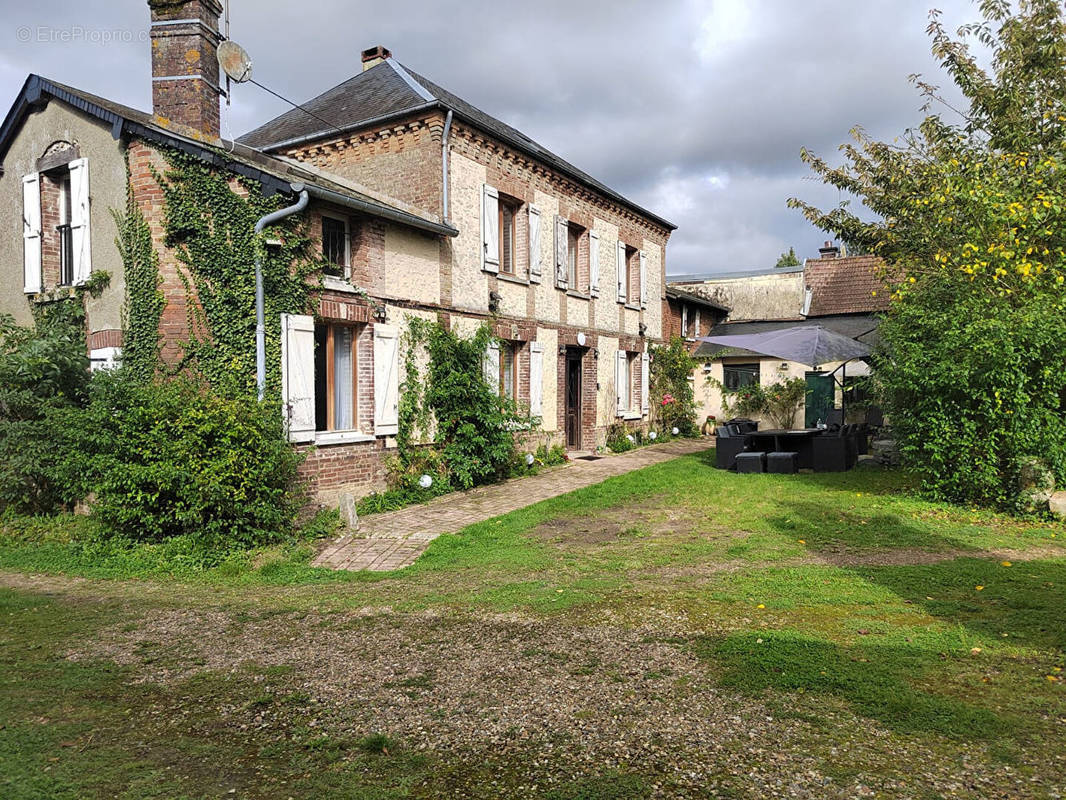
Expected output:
(43, 372)
(673, 399)
(618, 440)
(173, 458)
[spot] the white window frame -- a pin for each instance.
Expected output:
(346, 267)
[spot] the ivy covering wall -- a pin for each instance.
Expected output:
(209, 223)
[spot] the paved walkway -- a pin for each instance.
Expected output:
(396, 538)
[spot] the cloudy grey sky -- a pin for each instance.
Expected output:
(696, 109)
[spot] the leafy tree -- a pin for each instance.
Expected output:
(788, 259)
(970, 210)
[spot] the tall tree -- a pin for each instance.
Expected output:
(788, 259)
(970, 221)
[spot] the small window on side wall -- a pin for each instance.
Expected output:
(335, 246)
(737, 376)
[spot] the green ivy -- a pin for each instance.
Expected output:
(474, 426)
(144, 299)
(209, 223)
(671, 393)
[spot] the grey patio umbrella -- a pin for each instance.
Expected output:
(811, 345)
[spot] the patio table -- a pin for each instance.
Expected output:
(782, 441)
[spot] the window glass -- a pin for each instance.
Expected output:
(335, 400)
(573, 238)
(737, 376)
(507, 237)
(508, 370)
(334, 246)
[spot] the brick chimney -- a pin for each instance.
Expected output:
(830, 250)
(374, 56)
(185, 71)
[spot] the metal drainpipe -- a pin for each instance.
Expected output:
(444, 164)
(260, 327)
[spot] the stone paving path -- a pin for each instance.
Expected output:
(395, 539)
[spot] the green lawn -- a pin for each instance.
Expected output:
(678, 631)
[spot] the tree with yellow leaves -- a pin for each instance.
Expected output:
(971, 222)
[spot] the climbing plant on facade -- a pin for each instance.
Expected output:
(144, 300)
(209, 222)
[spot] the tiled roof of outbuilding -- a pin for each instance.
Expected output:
(848, 285)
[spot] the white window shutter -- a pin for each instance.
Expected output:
(79, 220)
(490, 229)
(491, 365)
(684, 321)
(621, 383)
(31, 233)
(298, 375)
(594, 264)
(562, 244)
(620, 260)
(644, 377)
(643, 280)
(534, 244)
(536, 378)
(386, 380)
(696, 331)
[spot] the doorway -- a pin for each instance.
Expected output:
(821, 393)
(573, 400)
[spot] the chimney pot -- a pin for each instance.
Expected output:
(185, 71)
(830, 250)
(374, 56)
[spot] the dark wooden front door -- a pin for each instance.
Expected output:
(573, 400)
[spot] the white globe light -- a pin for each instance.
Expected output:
(425, 481)
(653, 436)
(529, 459)
(675, 431)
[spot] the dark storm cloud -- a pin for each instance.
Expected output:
(695, 109)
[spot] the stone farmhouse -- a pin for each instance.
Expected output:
(423, 206)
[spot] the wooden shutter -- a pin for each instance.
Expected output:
(298, 375)
(594, 264)
(697, 325)
(562, 244)
(644, 377)
(386, 380)
(491, 366)
(534, 244)
(490, 229)
(79, 220)
(684, 321)
(31, 233)
(643, 280)
(536, 378)
(620, 260)
(621, 383)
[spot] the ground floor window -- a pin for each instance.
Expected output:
(737, 376)
(335, 377)
(509, 370)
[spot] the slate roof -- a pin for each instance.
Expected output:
(275, 174)
(857, 326)
(846, 285)
(389, 90)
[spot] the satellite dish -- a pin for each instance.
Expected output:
(235, 62)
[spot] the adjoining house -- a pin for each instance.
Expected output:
(425, 205)
(689, 315)
(842, 293)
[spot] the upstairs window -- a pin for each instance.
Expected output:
(508, 251)
(66, 233)
(573, 240)
(335, 246)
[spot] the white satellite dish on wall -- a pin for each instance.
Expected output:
(235, 62)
